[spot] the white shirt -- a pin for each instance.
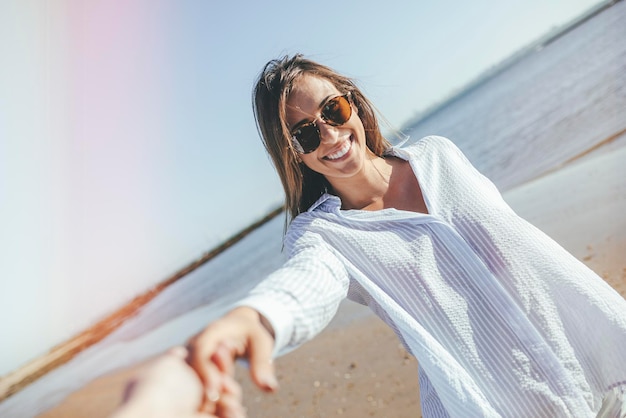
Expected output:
(502, 320)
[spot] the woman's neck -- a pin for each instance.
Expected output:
(383, 183)
(367, 188)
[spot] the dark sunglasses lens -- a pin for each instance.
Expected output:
(337, 111)
(308, 138)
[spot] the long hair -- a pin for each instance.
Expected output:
(302, 185)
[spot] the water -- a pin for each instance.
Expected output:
(555, 104)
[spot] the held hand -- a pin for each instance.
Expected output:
(242, 332)
(167, 387)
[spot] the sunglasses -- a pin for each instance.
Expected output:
(335, 112)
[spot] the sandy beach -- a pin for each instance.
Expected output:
(357, 368)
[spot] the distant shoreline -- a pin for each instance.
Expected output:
(60, 354)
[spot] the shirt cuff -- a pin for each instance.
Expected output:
(277, 315)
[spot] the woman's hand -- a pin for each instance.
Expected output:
(241, 333)
(168, 387)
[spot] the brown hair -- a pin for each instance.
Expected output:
(302, 185)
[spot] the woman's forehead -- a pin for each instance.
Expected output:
(307, 96)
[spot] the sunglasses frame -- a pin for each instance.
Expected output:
(297, 146)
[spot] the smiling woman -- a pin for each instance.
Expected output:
(502, 320)
(302, 184)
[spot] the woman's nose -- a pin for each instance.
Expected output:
(328, 133)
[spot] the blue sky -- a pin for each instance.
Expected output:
(127, 142)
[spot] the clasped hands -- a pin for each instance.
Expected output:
(198, 380)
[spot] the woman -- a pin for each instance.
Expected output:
(502, 320)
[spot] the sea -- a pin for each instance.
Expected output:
(559, 100)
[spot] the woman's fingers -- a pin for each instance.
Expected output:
(260, 358)
(230, 407)
(201, 349)
(230, 403)
(224, 358)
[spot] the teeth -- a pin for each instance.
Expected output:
(343, 151)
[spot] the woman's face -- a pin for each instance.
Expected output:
(342, 150)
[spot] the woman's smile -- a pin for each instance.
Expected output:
(341, 151)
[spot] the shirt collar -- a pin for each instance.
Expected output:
(326, 202)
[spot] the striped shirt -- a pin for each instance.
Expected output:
(502, 320)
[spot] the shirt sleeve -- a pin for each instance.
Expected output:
(300, 298)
